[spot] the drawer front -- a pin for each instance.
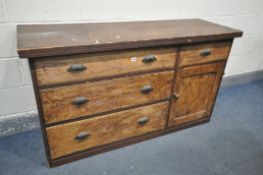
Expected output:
(68, 102)
(201, 53)
(65, 69)
(81, 135)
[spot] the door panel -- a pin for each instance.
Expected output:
(194, 92)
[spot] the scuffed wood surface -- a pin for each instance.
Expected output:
(63, 39)
(191, 55)
(104, 95)
(197, 87)
(54, 70)
(105, 129)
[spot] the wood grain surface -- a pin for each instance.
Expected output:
(105, 129)
(195, 88)
(191, 55)
(104, 95)
(40, 40)
(115, 99)
(54, 70)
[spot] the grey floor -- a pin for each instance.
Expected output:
(231, 143)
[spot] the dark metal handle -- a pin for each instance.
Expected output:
(205, 52)
(82, 136)
(148, 59)
(80, 100)
(76, 68)
(146, 89)
(143, 120)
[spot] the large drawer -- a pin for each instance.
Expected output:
(56, 70)
(202, 53)
(73, 101)
(84, 134)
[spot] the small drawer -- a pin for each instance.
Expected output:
(64, 69)
(82, 135)
(202, 53)
(73, 101)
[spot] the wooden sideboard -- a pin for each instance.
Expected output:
(101, 86)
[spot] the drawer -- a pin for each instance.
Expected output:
(84, 134)
(73, 101)
(56, 70)
(202, 53)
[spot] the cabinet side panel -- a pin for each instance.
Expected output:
(40, 111)
(220, 80)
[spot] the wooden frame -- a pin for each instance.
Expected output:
(100, 149)
(188, 37)
(111, 146)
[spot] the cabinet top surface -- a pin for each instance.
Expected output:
(61, 39)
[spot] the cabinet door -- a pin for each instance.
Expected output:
(194, 92)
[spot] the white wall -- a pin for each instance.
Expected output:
(16, 94)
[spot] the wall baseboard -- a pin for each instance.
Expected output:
(16, 123)
(22, 122)
(242, 78)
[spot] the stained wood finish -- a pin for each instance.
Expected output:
(104, 95)
(102, 104)
(122, 143)
(194, 92)
(40, 112)
(62, 39)
(105, 129)
(195, 54)
(54, 70)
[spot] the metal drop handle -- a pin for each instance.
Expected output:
(80, 100)
(143, 120)
(146, 89)
(76, 68)
(82, 136)
(205, 52)
(148, 59)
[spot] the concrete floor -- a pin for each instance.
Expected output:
(231, 143)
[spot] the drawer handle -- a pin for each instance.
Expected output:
(146, 89)
(80, 100)
(205, 52)
(76, 68)
(82, 136)
(148, 59)
(143, 120)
